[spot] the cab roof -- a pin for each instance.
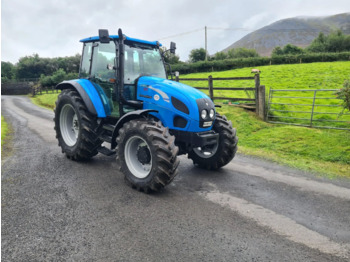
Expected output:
(97, 38)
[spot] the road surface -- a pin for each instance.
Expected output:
(54, 209)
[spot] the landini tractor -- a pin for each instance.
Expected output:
(123, 97)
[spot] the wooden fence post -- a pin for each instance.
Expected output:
(177, 78)
(210, 85)
(257, 84)
(262, 108)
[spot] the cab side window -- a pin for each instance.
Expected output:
(85, 61)
(104, 58)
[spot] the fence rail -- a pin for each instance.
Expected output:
(211, 87)
(313, 114)
(258, 91)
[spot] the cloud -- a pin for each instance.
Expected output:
(54, 27)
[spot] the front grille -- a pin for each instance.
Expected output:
(207, 104)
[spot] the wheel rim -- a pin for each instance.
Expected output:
(206, 152)
(138, 157)
(69, 125)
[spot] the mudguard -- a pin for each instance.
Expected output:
(92, 94)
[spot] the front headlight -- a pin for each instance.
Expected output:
(204, 114)
(211, 113)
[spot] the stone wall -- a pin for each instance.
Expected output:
(19, 88)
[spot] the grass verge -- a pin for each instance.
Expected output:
(5, 137)
(45, 100)
(326, 152)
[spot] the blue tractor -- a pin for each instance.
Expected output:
(123, 97)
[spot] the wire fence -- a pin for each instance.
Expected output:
(310, 108)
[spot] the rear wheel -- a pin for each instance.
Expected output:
(146, 155)
(75, 127)
(220, 154)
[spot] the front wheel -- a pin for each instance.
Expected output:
(146, 154)
(220, 154)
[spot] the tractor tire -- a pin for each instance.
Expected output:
(220, 154)
(147, 155)
(75, 127)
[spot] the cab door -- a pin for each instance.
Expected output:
(98, 65)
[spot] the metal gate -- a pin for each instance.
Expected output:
(310, 108)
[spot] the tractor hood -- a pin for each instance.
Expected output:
(167, 88)
(178, 105)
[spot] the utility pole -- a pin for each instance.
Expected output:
(206, 45)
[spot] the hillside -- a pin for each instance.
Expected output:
(298, 31)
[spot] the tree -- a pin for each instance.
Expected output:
(34, 66)
(242, 52)
(197, 55)
(288, 49)
(7, 70)
(220, 56)
(30, 67)
(277, 51)
(336, 41)
(56, 78)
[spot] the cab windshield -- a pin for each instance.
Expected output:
(142, 60)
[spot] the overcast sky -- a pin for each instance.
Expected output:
(53, 28)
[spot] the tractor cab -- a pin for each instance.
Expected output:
(117, 62)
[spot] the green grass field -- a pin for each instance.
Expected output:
(326, 152)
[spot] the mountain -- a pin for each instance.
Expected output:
(299, 31)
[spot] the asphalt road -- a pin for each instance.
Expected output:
(54, 209)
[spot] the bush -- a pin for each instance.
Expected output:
(344, 94)
(56, 78)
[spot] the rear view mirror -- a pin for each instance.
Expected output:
(172, 47)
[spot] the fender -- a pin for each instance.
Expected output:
(92, 95)
(125, 118)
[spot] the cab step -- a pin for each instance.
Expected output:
(108, 127)
(106, 138)
(105, 151)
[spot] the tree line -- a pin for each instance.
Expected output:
(48, 70)
(335, 42)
